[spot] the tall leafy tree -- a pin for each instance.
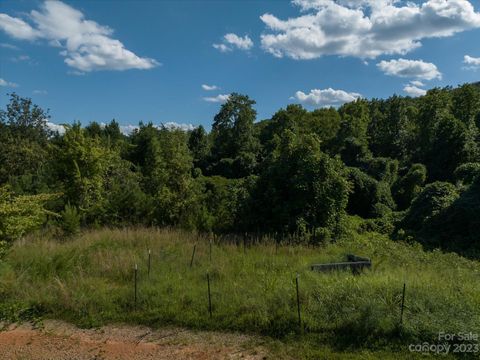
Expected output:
(23, 136)
(198, 143)
(301, 188)
(235, 147)
(352, 138)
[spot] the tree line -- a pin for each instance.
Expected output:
(407, 166)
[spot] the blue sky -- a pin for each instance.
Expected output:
(147, 60)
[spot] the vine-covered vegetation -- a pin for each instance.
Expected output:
(409, 166)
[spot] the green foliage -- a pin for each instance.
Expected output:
(457, 228)
(224, 203)
(233, 137)
(382, 169)
(368, 197)
(70, 222)
(324, 123)
(198, 144)
(23, 137)
(25, 119)
(282, 174)
(466, 173)
(409, 185)
(451, 146)
(79, 163)
(21, 214)
(352, 138)
(429, 205)
(393, 129)
(300, 184)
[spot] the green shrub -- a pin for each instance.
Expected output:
(21, 214)
(466, 173)
(382, 169)
(368, 195)
(71, 218)
(457, 227)
(430, 204)
(409, 186)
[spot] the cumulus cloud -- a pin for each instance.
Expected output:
(56, 128)
(40, 92)
(17, 28)
(364, 28)
(473, 63)
(410, 69)
(87, 45)
(209, 87)
(7, 83)
(414, 91)
(326, 97)
(221, 98)
(232, 41)
(471, 60)
(176, 126)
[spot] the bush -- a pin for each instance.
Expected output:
(430, 204)
(466, 173)
(458, 226)
(368, 195)
(21, 214)
(382, 169)
(70, 223)
(300, 185)
(409, 186)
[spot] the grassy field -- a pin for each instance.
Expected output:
(89, 281)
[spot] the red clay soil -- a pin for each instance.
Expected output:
(57, 340)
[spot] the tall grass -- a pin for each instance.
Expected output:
(89, 281)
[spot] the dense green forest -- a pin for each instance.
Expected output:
(409, 166)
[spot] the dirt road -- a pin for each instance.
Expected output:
(57, 340)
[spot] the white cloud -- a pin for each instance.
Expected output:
(173, 126)
(417, 83)
(222, 47)
(87, 45)
(472, 62)
(209, 87)
(7, 83)
(414, 91)
(410, 69)
(17, 28)
(56, 128)
(231, 41)
(326, 97)
(242, 43)
(40, 92)
(129, 129)
(364, 28)
(222, 98)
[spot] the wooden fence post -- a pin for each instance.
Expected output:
(193, 255)
(403, 304)
(298, 304)
(149, 261)
(209, 295)
(135, 285)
